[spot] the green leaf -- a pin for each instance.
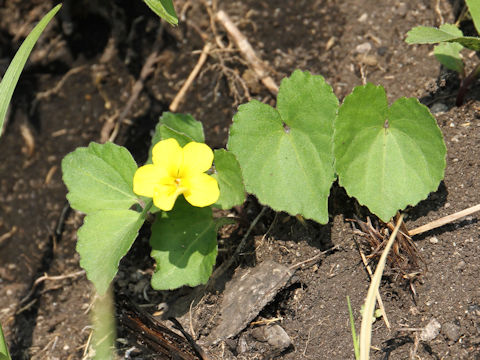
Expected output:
(10, 79)
(105, 237)
(99, 177)
(474, 8)
(4, 354)
(446, 32)
(182, 127)
(164, 9)
(229, 177)
(448, 54)
(286, 154)
(184, 246)
(387, 158)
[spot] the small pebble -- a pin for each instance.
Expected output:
(430, 331)
(277, 337)
(439, 108)
(382, 50)
(363, 17)
(433, 240)
(402, 9)
(363, 48)
(242, 346)
(461, 265)
(451, 331)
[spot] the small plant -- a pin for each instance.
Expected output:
(104, 183)
(450, 42)
(386, 157)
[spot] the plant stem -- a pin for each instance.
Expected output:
(465, 85)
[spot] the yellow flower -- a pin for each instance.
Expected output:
(176, 170)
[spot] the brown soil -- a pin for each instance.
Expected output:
(108, 46)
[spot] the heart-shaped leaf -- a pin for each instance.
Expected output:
(99, 177)
(387, 158)
(286, 154)
(184, 246)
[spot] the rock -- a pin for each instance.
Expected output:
(402, 9)
(363, 48)
(277, 337)
(242, 346)
(258, 334)
(438, 108)
(246, 295)
(451, 331)
(363, 17)
(461, 265)
(433, 240)
(430, 331)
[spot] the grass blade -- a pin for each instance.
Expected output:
(356, 347)
(9, 81)
(366, 328)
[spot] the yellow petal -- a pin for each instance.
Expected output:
(168, 154)
(202, 190)
(146, 178)
(165, 195)
(197, 158)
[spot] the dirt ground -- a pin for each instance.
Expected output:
(78, 82)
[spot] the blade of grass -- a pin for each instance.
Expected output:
(9, 81)
(366, 328)
(356, 348)
(4, 354)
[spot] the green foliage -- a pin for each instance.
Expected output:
(356, 345)
(4, 353)
(99, 177)
(430, 35)
(182, 127)
(387, 158)
(450, 38)
(229, 177)
(10, 79)
(105, 237)
(164, 9)
(474, 9)
(448, 54)
(184, 245)
(286, 154)
(99, 180)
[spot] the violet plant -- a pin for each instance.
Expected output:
(387, 157)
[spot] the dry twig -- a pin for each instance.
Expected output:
(247, 51)
(444, 220)
(181, 94)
